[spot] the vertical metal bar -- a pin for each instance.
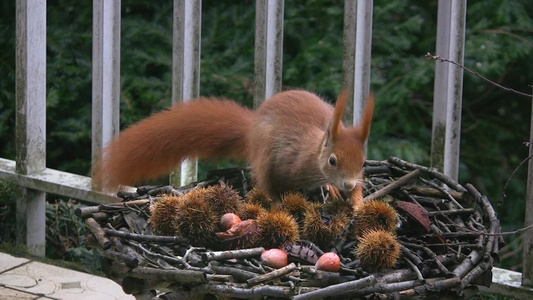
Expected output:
(449, 86)
(268, 49)
(527, 270)
(348, 61)
(455, 89)
(186, 69)
(363, 49)
(106, 73)
(31, 119)
(440, 86)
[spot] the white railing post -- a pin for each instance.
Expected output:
(448, 91)
(363, 50)
(357, 44)
(527, 269)
(348, 59)
(186, 69)
(439, 88)
(268, 58)
(106, 73)
(31, 119)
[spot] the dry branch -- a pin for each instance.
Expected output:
(146, 238)
(442, 59)
(393, 186)
(223, 255)
(181, 276)
(272, 275)
(98, 232)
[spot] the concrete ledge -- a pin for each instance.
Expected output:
(508, 283)
(21, 278)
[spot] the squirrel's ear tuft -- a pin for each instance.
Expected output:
(363, 128)
(334, 126)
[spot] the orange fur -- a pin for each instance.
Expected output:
(288, 142)
(204, 128)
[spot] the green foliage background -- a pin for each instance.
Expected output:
(499, 45)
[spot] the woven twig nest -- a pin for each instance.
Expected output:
(447, 240)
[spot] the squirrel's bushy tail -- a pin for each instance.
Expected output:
(203, 128)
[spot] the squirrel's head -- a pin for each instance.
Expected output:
(342, 154)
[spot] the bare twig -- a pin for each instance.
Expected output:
(182, 276)
(272, 275)
(508, 33)
(229, 254)
(500, 202)
(98, 232)
(145, 237)
(394, 185)
(442, 59)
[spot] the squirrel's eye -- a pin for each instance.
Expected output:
(332, 160)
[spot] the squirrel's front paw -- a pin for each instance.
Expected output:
(357, 196)
(334, 191)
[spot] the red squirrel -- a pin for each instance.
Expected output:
(294, 140)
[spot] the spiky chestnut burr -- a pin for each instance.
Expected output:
(377, 250)
(375, 215)
(276, 228)
(195, 218)
(256, 196)
(223, 199)
(336, 206)
(322, 228)
(250, 211)
(295, 204)
(162, 214)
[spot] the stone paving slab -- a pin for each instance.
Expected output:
(6, 293)
(8, 262)
(24, 279)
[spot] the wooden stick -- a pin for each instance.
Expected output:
(100, 216)
(146, 238)
(451, 212)
(339, 288)
(143, 288)
(235, 291)
(84, 212)
(223, 255)
(443, 190)
(219, 278)
(98, 232)
(393, 186)
(131, 262)
(384, 288)
(91, 242)
(125, 249)
(238, 274)
(433, 172)
(432, 192)
(182, 276)
(322, 278)
(272, 275)
(126, 204)
(476, 272)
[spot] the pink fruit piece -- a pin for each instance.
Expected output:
(228, 220)
(329, 261)
(275, 258)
